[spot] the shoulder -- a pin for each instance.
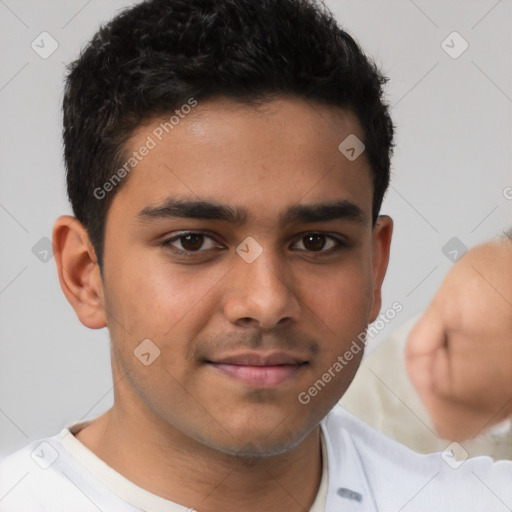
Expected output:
(397, 475)
(24, 473)
(37, 477)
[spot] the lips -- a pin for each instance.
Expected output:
(259, 369)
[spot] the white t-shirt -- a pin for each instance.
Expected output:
(61, 474)
(366, 472)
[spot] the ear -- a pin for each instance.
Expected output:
(381, 239)
(78, 271)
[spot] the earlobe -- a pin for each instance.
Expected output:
(381, 240)
(78, 271)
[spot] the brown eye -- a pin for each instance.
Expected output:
(319, 242)
(314, 242)
(192, 242)
(189, 242)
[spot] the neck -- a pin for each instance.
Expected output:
(165, 462)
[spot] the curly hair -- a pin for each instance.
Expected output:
(153, 57)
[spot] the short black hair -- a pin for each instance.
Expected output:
(153, 57)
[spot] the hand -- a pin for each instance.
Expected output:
(459, 354)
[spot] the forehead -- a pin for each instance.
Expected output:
(262, 160)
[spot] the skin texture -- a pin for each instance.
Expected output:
(459, 353)
(181, 428)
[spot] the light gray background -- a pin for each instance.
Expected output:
(451, 166)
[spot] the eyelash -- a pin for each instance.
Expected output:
(167, 243)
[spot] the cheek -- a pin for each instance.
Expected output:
(150, 296)
(340, 307)
(164, 303)
(341, 296)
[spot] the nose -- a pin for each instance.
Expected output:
(262, 294)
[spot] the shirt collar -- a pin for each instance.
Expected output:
(348, 486)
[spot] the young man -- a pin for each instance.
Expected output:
(226, 163)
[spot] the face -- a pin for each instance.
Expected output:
(242, 247)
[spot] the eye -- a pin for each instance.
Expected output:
(190, 242)
(320, 242)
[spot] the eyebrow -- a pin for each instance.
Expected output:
(342, 209)
(212, 210)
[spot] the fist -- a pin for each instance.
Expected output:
(459, 354)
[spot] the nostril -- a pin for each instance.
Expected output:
(247, 322)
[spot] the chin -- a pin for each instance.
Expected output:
(251, 443)
(255, 449)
